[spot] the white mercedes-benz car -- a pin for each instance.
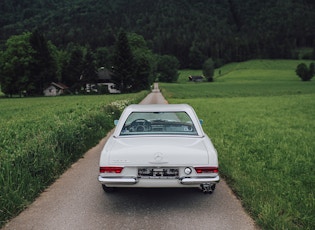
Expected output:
(159, 146)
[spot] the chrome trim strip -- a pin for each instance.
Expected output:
(117, 180)
(199, 180)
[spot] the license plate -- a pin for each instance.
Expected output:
(158, 172)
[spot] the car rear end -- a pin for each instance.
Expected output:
(160, 162)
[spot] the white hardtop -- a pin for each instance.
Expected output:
(159, 108)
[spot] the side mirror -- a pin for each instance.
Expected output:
(115, 122)
(201, 121)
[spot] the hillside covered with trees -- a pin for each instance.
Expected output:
(82, 35)
(226, 30)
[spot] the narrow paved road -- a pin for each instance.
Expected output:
(77, 201)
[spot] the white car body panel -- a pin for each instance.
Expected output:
(173, 151)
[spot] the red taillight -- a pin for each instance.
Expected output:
(207, 169)
(111, 169)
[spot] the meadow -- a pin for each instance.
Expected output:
(41, 137)
(260, 117)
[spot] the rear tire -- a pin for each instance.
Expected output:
(108, 189)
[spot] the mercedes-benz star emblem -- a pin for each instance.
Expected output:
(158, 157)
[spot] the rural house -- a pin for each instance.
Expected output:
(195, 78)
(56, 89)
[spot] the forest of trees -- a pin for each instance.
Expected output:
(30, 63)
(185, 32)
(226, 30)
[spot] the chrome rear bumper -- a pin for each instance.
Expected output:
(183, 181)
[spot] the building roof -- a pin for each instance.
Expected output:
(59, 85)
(195, 78)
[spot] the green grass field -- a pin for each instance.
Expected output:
(42, 137)
(260, 116)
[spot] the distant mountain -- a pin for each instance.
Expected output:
(227, 30)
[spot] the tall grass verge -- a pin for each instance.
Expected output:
(266, 154)
(41, 137)
(265, 141)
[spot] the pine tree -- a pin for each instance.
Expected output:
(44, 68)
(123, 64)
(73, 70)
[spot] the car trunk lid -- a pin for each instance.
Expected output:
(158, 151)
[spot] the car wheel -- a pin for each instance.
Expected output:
(108, 189)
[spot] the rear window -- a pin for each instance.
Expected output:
(158, 123)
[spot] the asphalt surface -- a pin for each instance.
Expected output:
(77, 201)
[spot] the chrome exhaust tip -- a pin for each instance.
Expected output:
(207, 188)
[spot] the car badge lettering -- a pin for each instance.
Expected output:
(120, 161)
